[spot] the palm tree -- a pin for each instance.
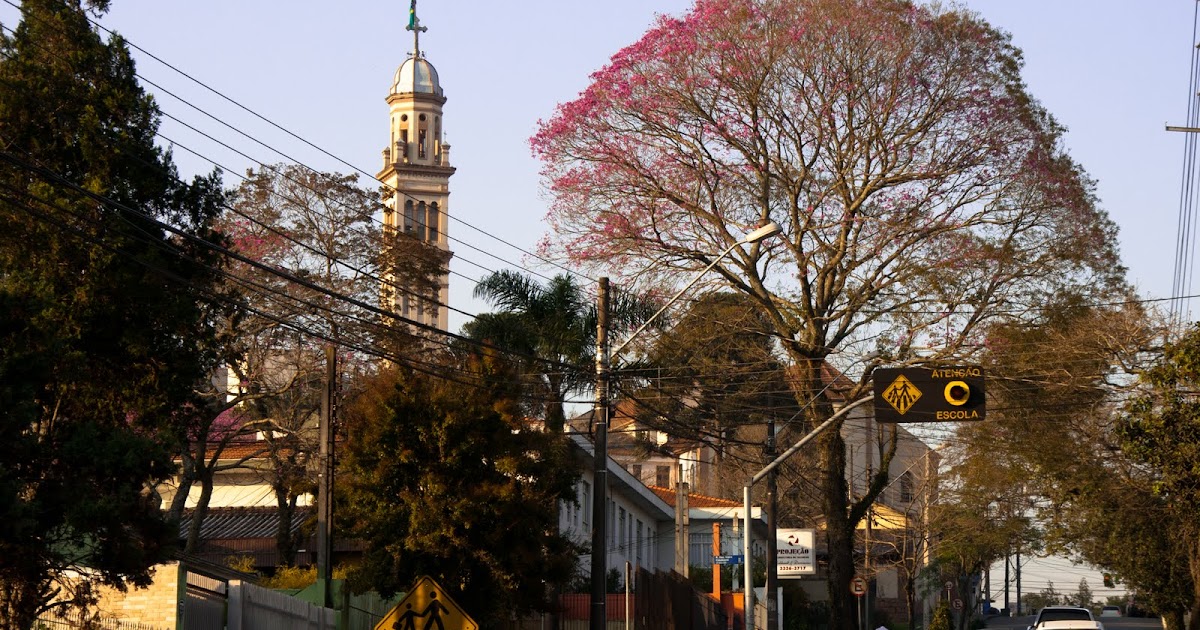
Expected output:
(552, 327)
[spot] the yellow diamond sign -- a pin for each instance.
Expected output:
(427, 607)
(901, 394)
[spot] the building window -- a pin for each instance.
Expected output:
(638, 553)
(621, 531)
(612, 524)
(420, 220)
(906, 487)
(432, 222)
(662, 476)
(587, 503)
(636, 469)
(408, 216)
(421, 143)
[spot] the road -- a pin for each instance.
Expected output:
(1110, 623)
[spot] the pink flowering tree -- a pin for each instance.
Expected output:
(923, 193)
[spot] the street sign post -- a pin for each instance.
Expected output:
(943, 394)
(858, 586)
(427, 604)
(734, 559)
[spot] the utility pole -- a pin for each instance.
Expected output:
(772, 534)
(598, 618)
(1007, 561)
(987, 588)
(748, 533)
(1018, 567)
(325, 478)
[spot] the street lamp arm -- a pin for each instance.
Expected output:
(646, 324)
(766, 231)
(811, 434)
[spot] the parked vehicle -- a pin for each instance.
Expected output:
(1065, 618)
(1110, 611)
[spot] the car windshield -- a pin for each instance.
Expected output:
(1065, 614)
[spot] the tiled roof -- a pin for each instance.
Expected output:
(240, 523)
(694, 500)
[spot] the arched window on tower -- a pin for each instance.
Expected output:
(432, 222)
(402, 144)
(422, 128)
(409, 219)
(421, 212)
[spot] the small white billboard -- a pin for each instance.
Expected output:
(795, 556)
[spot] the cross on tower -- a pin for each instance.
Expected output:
(414, 25)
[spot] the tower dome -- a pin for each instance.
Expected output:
(416, 76)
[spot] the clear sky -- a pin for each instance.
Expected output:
(1113, 71)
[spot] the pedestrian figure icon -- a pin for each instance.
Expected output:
(433, 612)
(427, 606)
(407, 620)
(902, 394)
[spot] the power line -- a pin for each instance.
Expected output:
(306, 142)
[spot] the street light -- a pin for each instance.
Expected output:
(600, 416)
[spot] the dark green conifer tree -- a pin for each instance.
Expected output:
(104, 328)
(444, 478)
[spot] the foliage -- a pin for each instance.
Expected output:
(1054, 381)
(1162, 433)
(1083, 597)
(715, 377)
(105, 318)
(553, 329)
(321, 228)
(923, 193)
(1043, 598)
(444, 478)
(285, 577)
(941, 617)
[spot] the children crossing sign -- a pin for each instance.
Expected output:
(427, 607)
(942, 394)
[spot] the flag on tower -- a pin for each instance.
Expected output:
(412, 15)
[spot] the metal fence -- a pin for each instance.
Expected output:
(661, 601)
(75, 622)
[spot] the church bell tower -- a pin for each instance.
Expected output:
(416, 175)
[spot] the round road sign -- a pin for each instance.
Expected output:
(858, 586)
(958, 605)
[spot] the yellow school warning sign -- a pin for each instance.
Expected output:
(901, 394)
(427, 607)
(938, 394)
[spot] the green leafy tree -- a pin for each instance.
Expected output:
(1055, 382)
(922, 192)
(941, 617)
(714, 370)
(553, 328)
(1083, 597)
(1162, 432)
(1048, 596)
(444, 478)
(105, 325)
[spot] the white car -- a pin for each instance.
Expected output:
(1065, 618)
(1110, 611)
